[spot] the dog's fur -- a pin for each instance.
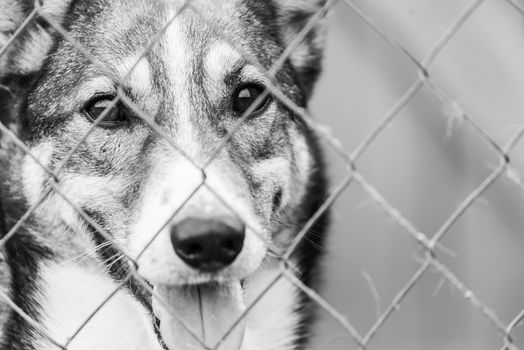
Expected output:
(129, 180)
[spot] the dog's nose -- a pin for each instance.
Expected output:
(208, 244)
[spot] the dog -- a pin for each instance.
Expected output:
(166, 181)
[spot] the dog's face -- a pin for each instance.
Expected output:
(167, 171)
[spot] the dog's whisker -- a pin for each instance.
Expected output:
(116, 260)
(83, 256)
(289, 224)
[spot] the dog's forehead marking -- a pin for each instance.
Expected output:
(93, 86)
(178, 58)
(133, 72)
(222, 59)
(33, 174)
(137, 73)
(219, 60)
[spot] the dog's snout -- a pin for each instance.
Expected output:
(208, 244)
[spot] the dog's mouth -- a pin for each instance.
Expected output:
(201, 316)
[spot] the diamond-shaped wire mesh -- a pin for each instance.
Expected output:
(430, 246)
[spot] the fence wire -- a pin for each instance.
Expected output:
(354, 177)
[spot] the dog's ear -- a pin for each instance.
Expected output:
(25, 53)
(294, 15)
(24, 46)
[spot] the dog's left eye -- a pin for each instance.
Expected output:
(111, 113)
(248, 95)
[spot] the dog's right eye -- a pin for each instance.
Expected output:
(112, 114)
(246, 96)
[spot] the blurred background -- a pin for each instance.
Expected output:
(425, 163)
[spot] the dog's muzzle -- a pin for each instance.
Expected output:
(212, 309)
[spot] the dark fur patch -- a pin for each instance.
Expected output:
(308, 252)
(23, 255)
(119, 270)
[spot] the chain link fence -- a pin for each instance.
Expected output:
(429, 242)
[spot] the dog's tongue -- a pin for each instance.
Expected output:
(208, 310)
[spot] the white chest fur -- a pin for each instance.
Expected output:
(272, 323)
(71, 294)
